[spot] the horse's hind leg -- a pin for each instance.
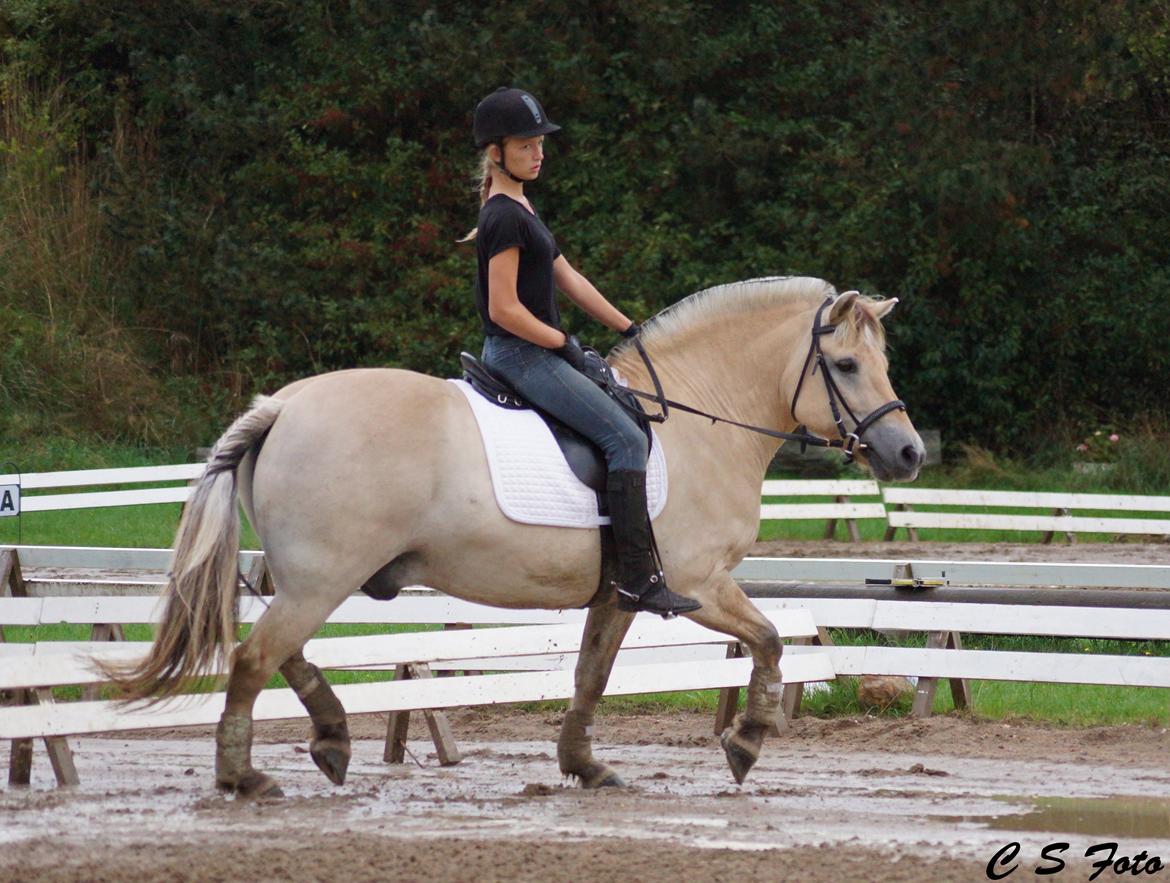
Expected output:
(330, 746)
(728, 610)
(605, 628)
(280, 632)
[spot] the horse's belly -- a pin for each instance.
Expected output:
(475, 552)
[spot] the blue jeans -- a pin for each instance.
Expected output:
(546, 380)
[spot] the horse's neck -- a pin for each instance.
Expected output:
(732, 371)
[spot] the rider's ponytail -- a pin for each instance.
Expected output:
(485, 189)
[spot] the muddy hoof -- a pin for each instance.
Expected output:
(613, 780)
(332, 759)
(257, 786)
(738, 758)
(599, 775)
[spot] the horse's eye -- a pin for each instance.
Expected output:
(846, 366)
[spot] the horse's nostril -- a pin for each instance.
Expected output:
(912, 456)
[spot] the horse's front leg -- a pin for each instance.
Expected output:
(727, 609)
(605, 628)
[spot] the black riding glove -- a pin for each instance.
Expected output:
(572, 353)
(633, 331)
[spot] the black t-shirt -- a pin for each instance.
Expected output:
(504, 223)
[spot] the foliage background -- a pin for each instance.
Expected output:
(202, 199)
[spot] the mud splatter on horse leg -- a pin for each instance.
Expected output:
(330, 747)
(605, 628)
(727, 609)
(280, 632)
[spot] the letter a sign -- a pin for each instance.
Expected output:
(9, 500)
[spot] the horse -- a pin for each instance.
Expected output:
(376, 478)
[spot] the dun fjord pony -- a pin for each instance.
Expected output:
(377, 477)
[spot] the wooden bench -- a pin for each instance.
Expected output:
(1056, 513)
(842, 507)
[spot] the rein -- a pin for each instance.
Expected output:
(849, 442)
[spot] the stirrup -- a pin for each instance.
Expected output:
(656, 598)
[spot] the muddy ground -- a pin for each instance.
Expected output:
(841, 799)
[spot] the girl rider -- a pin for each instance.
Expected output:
(519, 269)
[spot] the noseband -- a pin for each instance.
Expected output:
(849, 442)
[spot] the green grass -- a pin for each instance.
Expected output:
(137, 527)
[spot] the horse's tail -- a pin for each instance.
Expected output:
(198, 627)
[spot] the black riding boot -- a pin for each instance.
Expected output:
(641, 586)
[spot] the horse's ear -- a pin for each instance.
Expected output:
(882, 308)
(841, 306)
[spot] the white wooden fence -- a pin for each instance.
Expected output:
(839, 493)
(537, 659)
(832, 500)
(1110, 513)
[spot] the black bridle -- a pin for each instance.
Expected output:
(849, 442)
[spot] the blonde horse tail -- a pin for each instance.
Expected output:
(198, 627)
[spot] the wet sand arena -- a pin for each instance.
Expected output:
(841, 799)
(852, 799)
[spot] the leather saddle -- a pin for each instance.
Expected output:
(584, 457)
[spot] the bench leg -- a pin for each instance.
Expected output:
(892, 532)
(437, 723)
(927, 687)
(728, 696)
(793, 693)
(101, 632)
(20, 757)
(397, 727)
(20, 762)
(57, 747)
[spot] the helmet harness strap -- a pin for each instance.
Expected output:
(500, 163)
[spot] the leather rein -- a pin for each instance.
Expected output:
(849, 442)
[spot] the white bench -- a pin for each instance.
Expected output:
(1056, 515)
(842, 508)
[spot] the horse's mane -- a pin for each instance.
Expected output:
(751, 296)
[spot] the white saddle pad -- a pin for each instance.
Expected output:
(532, 480)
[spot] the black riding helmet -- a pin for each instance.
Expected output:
(509, 113)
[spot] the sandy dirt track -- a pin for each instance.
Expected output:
(841, 799)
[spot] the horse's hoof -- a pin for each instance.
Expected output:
(256, 785)
(599, 775)
(332, 758)
(740, 759)
(613, 780)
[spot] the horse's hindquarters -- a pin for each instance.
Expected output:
(373, 466)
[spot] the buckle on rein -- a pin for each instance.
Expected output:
(850, 443)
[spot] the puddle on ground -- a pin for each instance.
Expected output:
(1112, 816)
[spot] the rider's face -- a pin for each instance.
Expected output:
(524, 156)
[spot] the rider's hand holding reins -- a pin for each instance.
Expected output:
(572, 353)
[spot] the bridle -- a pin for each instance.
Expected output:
(850, 442)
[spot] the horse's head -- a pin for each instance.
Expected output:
(845, 370)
